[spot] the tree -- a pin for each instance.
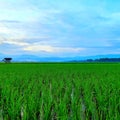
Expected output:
(7, 60)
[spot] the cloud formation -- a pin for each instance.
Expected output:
(60, 27)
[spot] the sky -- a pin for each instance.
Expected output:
(59, 27)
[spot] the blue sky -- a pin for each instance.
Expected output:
(60, 27)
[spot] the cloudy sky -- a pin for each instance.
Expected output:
(60, 27)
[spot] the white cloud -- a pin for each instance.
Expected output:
(40, 47)
(18, 43)
(58, 27)
(51, 49)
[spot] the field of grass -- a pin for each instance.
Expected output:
(59, 91)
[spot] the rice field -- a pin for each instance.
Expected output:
(60, 91)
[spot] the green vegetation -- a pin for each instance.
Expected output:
(57, 91)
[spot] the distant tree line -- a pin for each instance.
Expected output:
(104, 60)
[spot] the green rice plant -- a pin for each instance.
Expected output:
(59, 91)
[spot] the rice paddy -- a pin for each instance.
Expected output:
(60, 91)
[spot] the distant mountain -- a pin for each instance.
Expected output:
(35, 58)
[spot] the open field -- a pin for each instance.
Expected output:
(60, 91)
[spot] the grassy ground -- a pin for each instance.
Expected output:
(60, 91)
